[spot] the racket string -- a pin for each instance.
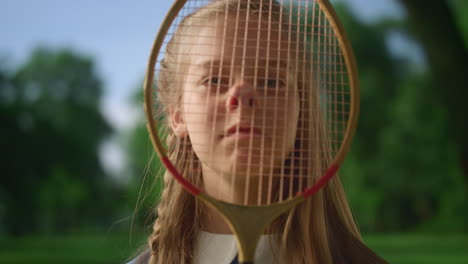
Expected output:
(321, 64)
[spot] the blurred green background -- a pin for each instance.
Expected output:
(63, 201)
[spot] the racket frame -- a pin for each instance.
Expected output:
(249, 222)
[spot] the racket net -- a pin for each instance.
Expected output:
(253, 97)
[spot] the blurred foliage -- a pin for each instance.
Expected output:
(143, 167)
(447, 57)
(404, 172)
(460, 9)
(52, 179)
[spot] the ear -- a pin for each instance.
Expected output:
(178, 124)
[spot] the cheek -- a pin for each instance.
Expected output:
(193, 109)
(201, 114)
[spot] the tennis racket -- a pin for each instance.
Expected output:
(251, 105)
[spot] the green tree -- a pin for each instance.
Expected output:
(400, 174)
(52, 179)
(435, 25)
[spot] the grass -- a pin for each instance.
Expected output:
(116, 248)
(420, 248)
(72, 249)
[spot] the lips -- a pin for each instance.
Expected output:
(239, 129)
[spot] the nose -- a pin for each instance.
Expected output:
(242, 93)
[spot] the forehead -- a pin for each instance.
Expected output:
(247, 40)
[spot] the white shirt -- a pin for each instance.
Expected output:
(222, 248)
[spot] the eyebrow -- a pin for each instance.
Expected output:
(207, 64)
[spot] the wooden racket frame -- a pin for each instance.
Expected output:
(249, 222)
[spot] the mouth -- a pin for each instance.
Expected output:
(242, 130)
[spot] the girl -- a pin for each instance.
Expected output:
(221, 82)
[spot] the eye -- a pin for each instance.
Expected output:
(271, 83)
(213, 82)
(210, 81)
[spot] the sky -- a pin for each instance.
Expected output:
(118, 34)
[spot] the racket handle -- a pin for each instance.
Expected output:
(236, 261)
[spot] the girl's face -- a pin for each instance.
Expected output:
(240, 104)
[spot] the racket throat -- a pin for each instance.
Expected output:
(248, 223)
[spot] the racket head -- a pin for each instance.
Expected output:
(264, 100)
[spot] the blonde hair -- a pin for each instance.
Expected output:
(320, 230)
